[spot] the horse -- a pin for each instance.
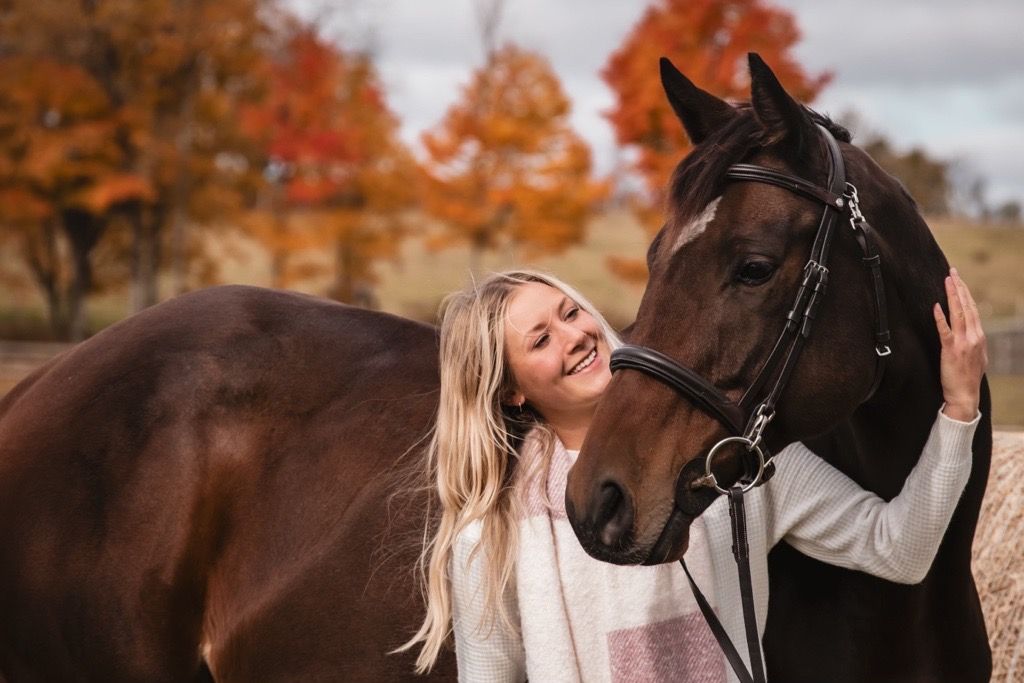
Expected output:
(201, 492)
(723, 270)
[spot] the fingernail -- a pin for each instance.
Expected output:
(954, 271)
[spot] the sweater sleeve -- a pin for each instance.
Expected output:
(485, 648)
(824, 514)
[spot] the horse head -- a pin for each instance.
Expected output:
(724, 270)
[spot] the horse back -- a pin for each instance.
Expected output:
(213, 475)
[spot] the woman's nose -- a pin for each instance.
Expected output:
(575, 338)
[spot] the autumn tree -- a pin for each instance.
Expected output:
(61, 174)
(504, 166)
(338, 178)
(708, 40)
(159, 79)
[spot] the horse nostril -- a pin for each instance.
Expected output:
(614, 515)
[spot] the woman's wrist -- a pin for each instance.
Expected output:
(963, 412)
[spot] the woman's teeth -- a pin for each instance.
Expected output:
(585, 363)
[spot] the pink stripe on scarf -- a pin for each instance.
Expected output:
(680, 649)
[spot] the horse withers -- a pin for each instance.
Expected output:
(723, 272)
(201, 492)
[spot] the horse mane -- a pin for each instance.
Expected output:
(700, 177)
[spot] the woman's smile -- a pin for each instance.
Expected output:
(589, 362)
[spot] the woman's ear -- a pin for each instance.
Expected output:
(514, 398)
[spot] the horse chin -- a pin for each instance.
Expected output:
(673, 540)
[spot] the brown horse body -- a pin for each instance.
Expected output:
(203, 488)
(716, 301)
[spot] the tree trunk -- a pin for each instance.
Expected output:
(44, 262)
(183, 181)
(145, 257)
(344, 262)
(279, 254)
(179, 263)
(83, 231)
(477, 247)
(155, 218)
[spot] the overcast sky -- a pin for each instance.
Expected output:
(943, 74)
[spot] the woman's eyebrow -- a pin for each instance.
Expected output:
(544, 324)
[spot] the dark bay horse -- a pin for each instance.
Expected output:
(200, 492)
(723, 272)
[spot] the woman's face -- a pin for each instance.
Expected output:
(558, 356)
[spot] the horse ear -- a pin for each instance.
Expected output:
(783, 118)
(701, 112)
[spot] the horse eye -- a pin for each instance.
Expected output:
(755, 272)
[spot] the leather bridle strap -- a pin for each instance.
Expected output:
(687, 382)
(812, 288)
(741, 553)
(762, 174)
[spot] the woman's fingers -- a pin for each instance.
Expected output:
(945, 334)
(956, 309)
(963, 294)
(972, 319)
(963, 357)
(970, 305)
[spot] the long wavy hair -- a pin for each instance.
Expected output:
(472, 457)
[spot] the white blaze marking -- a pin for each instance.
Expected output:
(698, 225)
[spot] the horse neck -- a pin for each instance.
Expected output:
(891, 427)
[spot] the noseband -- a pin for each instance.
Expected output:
(747, 419)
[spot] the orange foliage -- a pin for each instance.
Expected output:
(59, 143)
(505, 166)
(59, 152)
(338, 175)
(708, 40)
(124, 110)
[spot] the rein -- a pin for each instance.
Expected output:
(747, 419)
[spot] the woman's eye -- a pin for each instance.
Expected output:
(755, 272)
(542, 340)
(571, 313)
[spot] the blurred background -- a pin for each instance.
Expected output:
(379, 152)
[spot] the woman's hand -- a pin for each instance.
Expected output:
(964, 355)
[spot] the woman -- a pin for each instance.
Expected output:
(524, 360)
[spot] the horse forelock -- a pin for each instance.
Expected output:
(700, 177)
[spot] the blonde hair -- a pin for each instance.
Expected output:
(472, 455)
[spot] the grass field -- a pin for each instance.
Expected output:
(990, 258)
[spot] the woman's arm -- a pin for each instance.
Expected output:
(485, 648)
(826, 515)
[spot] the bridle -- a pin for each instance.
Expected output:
(747, 419)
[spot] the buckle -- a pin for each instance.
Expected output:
(853, 201)
(882, 350)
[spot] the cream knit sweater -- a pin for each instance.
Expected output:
(580, 620)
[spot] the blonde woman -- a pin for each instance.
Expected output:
(524, 361)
